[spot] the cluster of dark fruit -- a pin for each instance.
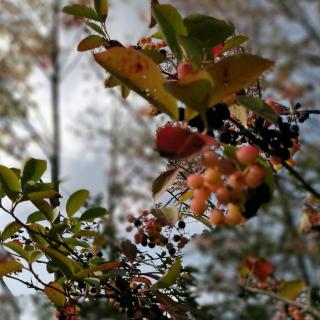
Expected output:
(215, 116)
(150, 232)
(133, 300)
(277, 141)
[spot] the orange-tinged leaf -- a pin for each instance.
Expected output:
(9, 266)
(129, 250)
(55, 293)
(91, 42)
(139, 73)
(234, 73)
(142, 280)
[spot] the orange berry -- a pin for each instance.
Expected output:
(216, 217)
(236, 180)
(223, 195)
(210, 159)
(212, 176)
(198, 206)
(247, 155)
(255, 176)
(195, 181)
(233, 216)
(202, 194)
(131, 218)
(227, 166)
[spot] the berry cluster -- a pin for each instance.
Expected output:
(146, 43)
(239, 186)
(280, 143)
(153, 231)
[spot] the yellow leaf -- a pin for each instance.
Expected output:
(186, 196)
(139, 73)
(9, 266)
(240, 113)
(234, 73)
(194, 89)
(55, 293)
(291, 289)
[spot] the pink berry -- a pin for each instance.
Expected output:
(247, 155)
(195, 181)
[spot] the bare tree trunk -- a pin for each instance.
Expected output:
(55, 95)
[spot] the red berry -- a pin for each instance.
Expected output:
(184, 69)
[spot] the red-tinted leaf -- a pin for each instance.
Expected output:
(179, 143)
(129, 250)
(142, 280)
(217, 50)
(259, 267)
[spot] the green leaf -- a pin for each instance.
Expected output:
(9, 266)
(33, 170)
(55, 293)
(155, 55)
(50, 213)
(291, 289)
(32, 186)
(96, 28)
(39, 195)
(140, 74)
(163, 183)
(9, 182)
(234, 73)
(35, 217)
(171, 26)
(34, 255)
(170, 277)
(37, 232)
(210, 31)
(259, 107)
(234, 42)
(194, 90)
(81, 11)
(10, 230)
(192, 49)
(17, 248)
(102, 8)
(93, 213)
(86, 234)
(64, 264)
(91, 42)
(101, 267)
(76, 201)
